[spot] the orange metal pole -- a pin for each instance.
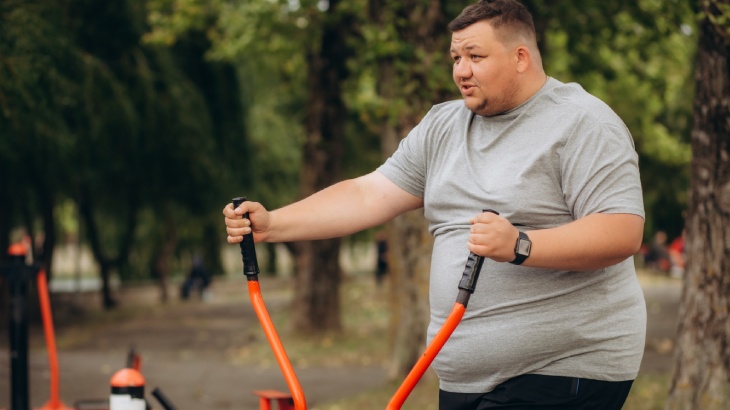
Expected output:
(54, 403)
(264, 403)
(254, 291)
(424, 362)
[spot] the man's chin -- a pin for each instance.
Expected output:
(474, 105)
(478, 108)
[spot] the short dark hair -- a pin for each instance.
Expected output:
(499, 13)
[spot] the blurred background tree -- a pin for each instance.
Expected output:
(139, 137)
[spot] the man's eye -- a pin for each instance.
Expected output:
(474, 57)
(457, 58)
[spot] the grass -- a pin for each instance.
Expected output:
(362, 342)
(649, 392)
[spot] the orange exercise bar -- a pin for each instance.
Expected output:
(467, 284)
(254, 290)
(54, 403)
(424, 362)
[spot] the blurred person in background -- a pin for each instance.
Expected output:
(198, 280)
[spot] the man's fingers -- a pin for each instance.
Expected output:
(235, 213)
(229, 212)
(238, 229)
(235, 239)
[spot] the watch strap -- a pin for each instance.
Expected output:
(520, 257)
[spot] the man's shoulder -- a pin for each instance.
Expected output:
(449, 109)
(576, 100)
(445, 118)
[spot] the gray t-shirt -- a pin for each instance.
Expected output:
(560, 156)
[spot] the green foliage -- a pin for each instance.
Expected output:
(421, 68)
(149, 145)
(172, 18)
(92, 114)
(37, 87)
(718, 13)
(274, 79)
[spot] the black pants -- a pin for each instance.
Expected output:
(532, 391)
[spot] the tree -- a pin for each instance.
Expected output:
(37, 75)
(143, 137)
(701, 378)
(318, 271)
(91, 114)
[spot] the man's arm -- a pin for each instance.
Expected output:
(341, 209)
(593, 242)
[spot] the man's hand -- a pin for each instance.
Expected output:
(258, 222)
(493, 237)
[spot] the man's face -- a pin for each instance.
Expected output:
(484, 70)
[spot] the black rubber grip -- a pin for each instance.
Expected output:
(473, 267)
(471, 272)
(248, 251)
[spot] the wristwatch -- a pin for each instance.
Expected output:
(522, 249)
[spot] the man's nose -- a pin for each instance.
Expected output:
(462, 70)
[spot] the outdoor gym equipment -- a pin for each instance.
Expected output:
(251, 270)
(19, 275)
(467, 284)
(127, 385)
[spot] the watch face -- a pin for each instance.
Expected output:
(523, 247)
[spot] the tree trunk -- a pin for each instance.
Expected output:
(6, 210)
(107, 299)
(317, 297)
(125, 239)
(409, 249)
(701, 378)
(161, 264)
(212, 248)
(318, 274)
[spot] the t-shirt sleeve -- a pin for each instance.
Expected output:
(600, 172)
(407, 166)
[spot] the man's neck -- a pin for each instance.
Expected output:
(533, 84)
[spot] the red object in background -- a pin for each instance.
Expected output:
(284, 400)
(17, 249)
(676, 251)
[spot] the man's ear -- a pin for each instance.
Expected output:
(522, 58)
